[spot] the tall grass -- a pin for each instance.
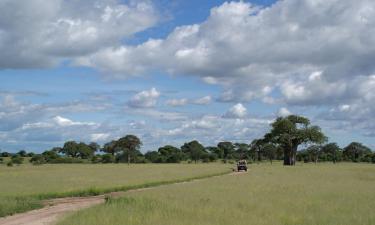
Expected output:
(267, 195)
(23, 187)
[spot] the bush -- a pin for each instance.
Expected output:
(10, 163)
(38, 159)
(66, 160)
(17, 159)
(108, 158)
(1, 160)
(96, 159)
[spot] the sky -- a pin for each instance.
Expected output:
(170, 71)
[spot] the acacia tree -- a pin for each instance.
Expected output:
(194, 149)
(227, 148)
(129, 144)
(256, 147)
(290, 132)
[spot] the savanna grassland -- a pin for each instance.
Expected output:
(23, 187)
(267, 195)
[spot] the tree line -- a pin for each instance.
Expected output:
(282, 142)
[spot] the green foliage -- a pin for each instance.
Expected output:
(356, 152)
(10, 164)
(227, 148)
(17, 159)
(130, 145)
(38, 159)
(290, 132)
(108, 158)
(78, 150)
(194, 150)
(1, 160)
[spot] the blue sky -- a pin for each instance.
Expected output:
(173, 71)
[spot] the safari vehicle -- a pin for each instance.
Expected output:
(241, 165)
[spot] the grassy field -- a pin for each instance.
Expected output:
(267, 195)
(22, 187)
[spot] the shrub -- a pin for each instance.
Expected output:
(10, 163)
(108, 158)
(1, 160)
(38, 159)
(96, 159)
(17, 159)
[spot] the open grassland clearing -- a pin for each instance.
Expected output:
(23, 187)
(268, 194)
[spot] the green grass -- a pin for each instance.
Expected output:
(309, 194)
(23, 187)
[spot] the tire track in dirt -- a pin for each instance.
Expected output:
(55, 209)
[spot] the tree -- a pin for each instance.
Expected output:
(333, 150)
(94, 146)
(170, 154)
(314, 152)
(22, 153)
(129, 144)
(292, 131)
(111, 148)
(256, 148)
(154, 157)
(215, 150)
(242, 150)
(355, 151)
(70, 149)
(16, 159)
(270, 151)
(194, 149)
(227, 148)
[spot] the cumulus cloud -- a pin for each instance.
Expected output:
(251, 50)
(60, 29)
(177, 102)
(236, 111)
(283, 112)
(145, 99)
(184, 101)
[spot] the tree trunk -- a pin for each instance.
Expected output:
(128, 158)
(290, 156)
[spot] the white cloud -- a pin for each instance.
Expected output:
(65, 122)
(203, 101)
(58, 28)
(177, 102)
(283, 112)
(236, 111)
(145, 99)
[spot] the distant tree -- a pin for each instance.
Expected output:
(94, 146)
(215, 150)
(22, 153)
(314, 151)
(154, 157)
(333, 150)
(111, 148)
(30, 154)
(256, 148)
(292, 131)
(129, 144)
(85, 151)
(242, 150)
(171, 154)
(5, 154)
(70, 149)
(227, 148)
(38, 159)
(52, 155)
(355, 151)
(270, 151)
(194, 150)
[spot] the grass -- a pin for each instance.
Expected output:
(23, 187)
(267, 195)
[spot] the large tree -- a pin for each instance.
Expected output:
(355, 151)
(292, 131)
(194, 149)
(227, 148)
(332, 150)
(130, 145)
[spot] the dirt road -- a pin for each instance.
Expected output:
(55, 209)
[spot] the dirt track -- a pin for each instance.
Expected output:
(57, 208)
